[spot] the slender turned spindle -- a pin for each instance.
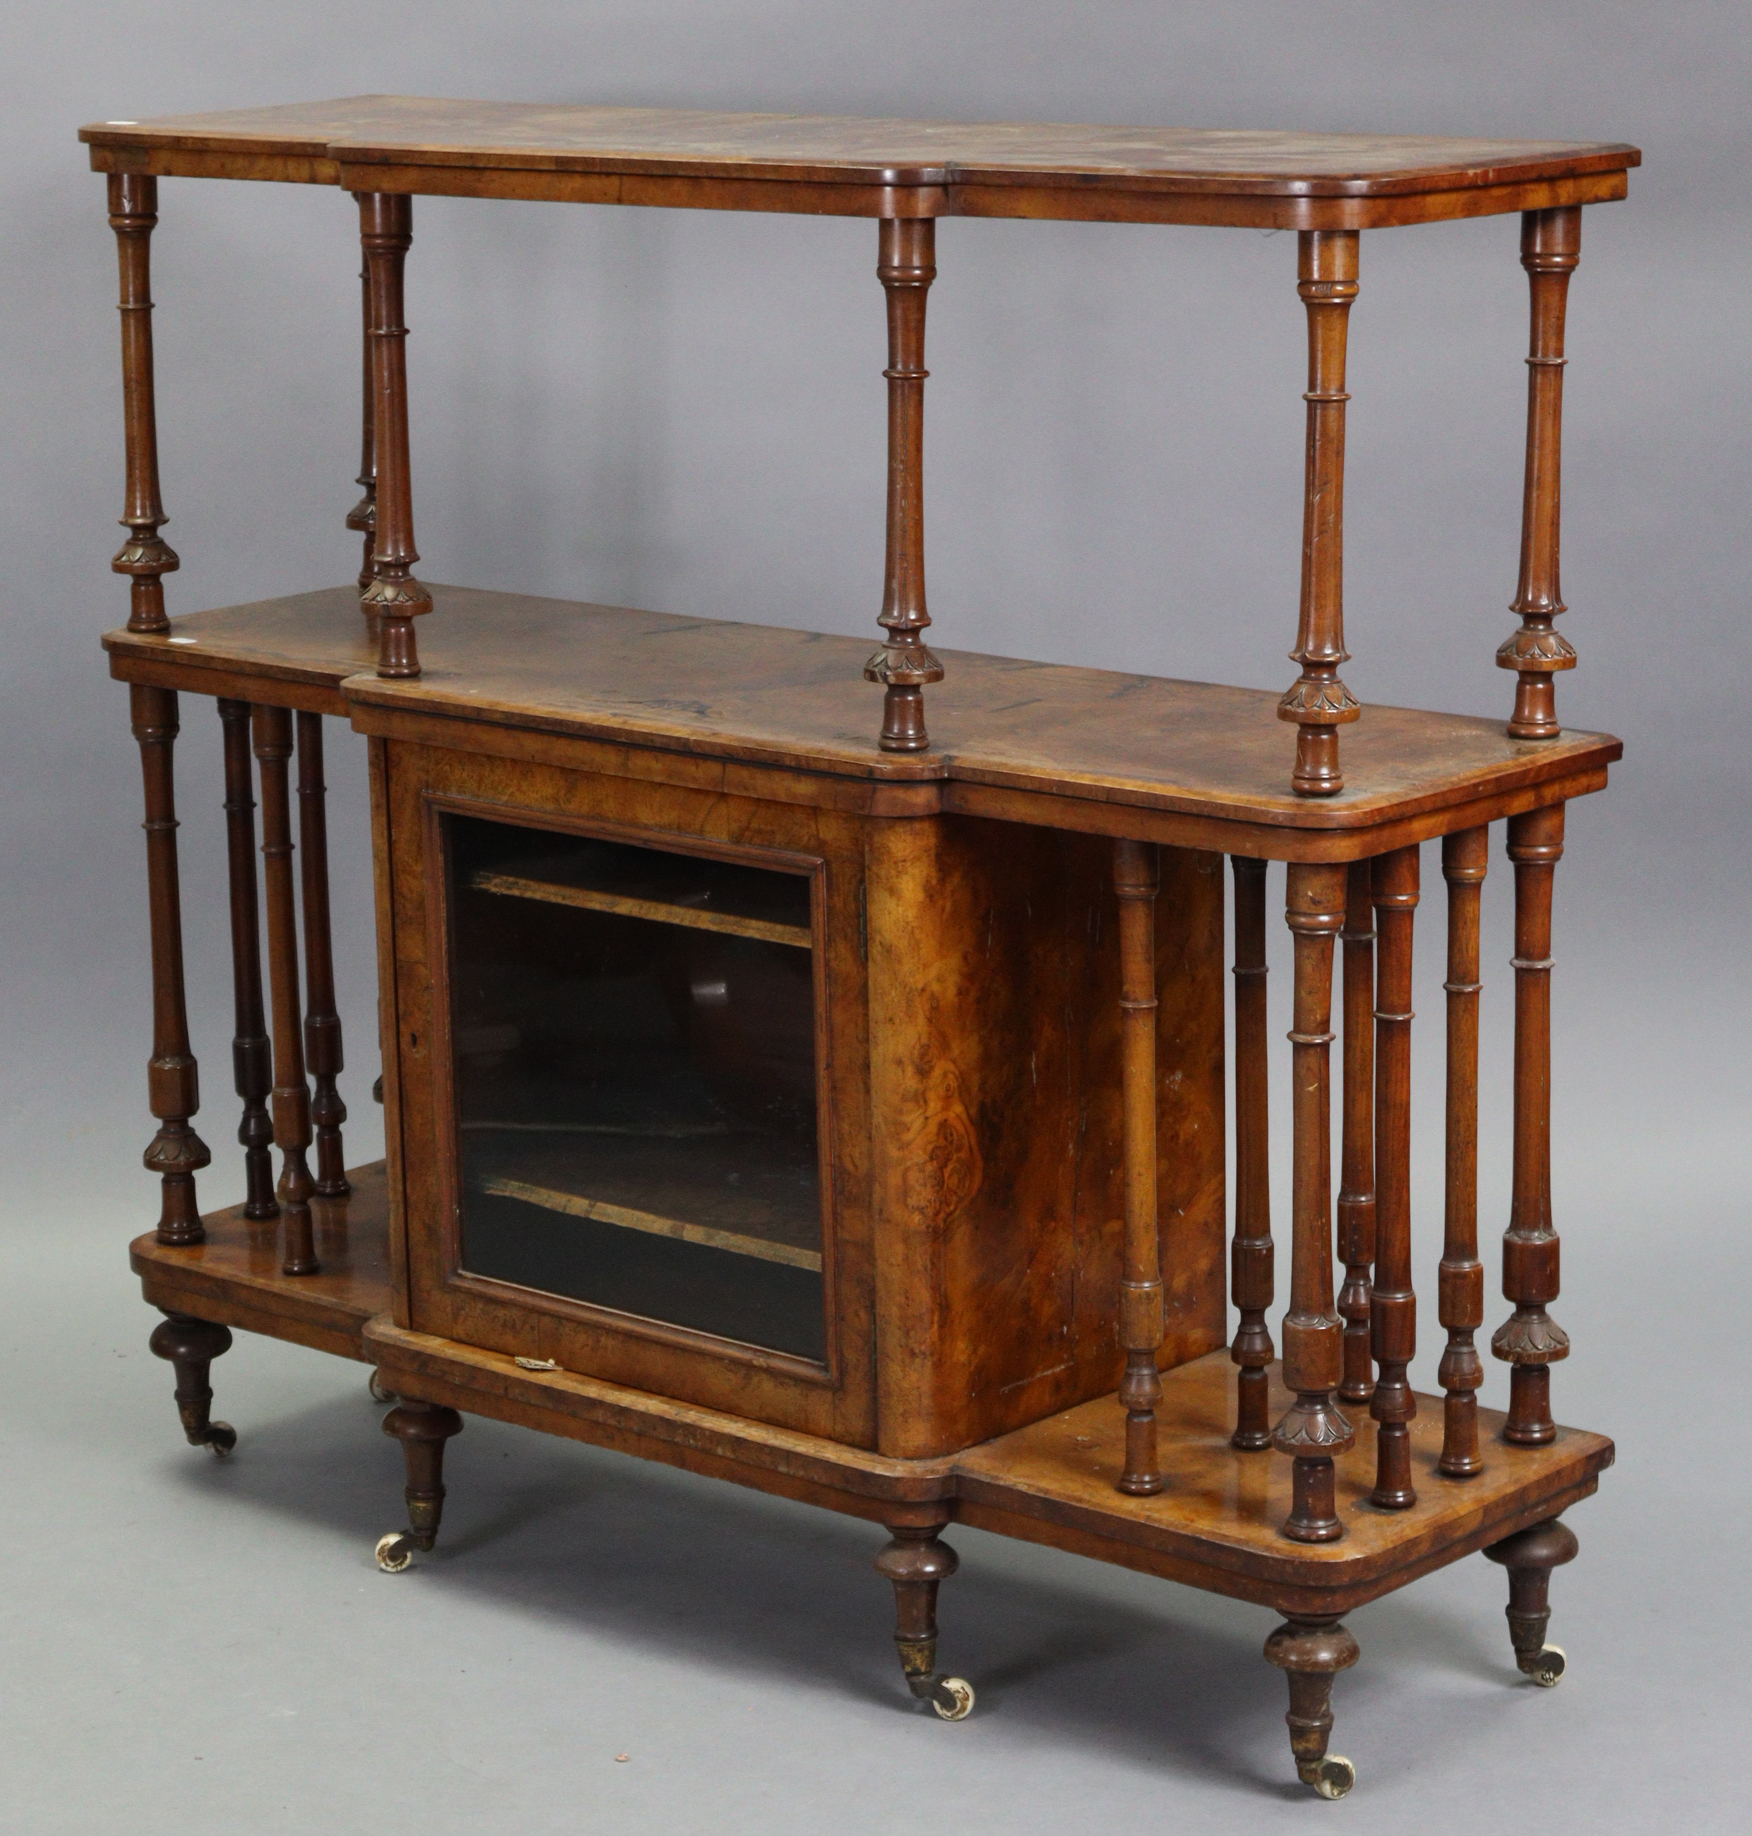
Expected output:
(322, 1025)
(1135, 879)
(251, 1055)
(291, 1095)
(906, 266)
(1356, 1192)
(1251, 1254)
(1392, 1304)
(363, 516)
(393, 595)
(1529, 1340)
(1551, 245)
(1314, 1428)
(1319, 703)
(145, 557)
(177, 1153)
(1465, 856)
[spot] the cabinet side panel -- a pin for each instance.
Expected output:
(997, 1123)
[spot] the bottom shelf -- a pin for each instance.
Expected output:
(234, 1279)
(1216, 1526)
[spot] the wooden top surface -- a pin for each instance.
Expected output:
(797, 700)
(314, 141)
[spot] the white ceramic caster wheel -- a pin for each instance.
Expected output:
(1337, 1776)
(222, 1437)
(394, 1552)
(1548, 1667)
(379, 1394)
(959, 1703)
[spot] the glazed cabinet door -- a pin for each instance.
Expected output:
(633, 1088)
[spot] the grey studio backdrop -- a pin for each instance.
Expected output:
(685, 411)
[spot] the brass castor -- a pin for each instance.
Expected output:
(1545, 1666)
(374, 1383)
(394, 1552)
(222, 1437)
(1331, 1777)
(952, 1698)
(1530, 1555)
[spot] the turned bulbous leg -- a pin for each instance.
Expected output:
(1530, 1555)
(916, 1562)
(422, 1428)
(191, 1345)
(1310, 1653)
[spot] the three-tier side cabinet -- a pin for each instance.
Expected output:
(805, 1065)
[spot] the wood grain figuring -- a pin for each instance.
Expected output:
(322, 1024)
(1356, 1193)
(1551, 243)
(145, 558)
(1392, 1301)
(676, 156)
(291, 1094)
(251, 1050)
(177, 1153)
(1092, 748)
(234, 1276)
(1314, 1428)
(1530, 1341)
(1252, 1253)
(904, 664)
(392, 596)
(1465, 857)
(1136, 880)
(1319, 703)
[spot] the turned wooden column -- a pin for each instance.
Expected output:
(362, 518)
(145, 557)
(1356, 1192)
(918, 1563)
(1319, 703)
(1465, 856)
(1251, 1255)
(1392, 1304)
(322, 1025)
(906, 266)
(392, 595)
(1530, 1340)
(1314, 1428)
(1551, 245)
(1135, 880)
(291, 1095)
(251, 1054)
(177, 1153)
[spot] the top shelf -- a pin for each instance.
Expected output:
(821, 164)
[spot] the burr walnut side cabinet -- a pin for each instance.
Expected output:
(804, 1064)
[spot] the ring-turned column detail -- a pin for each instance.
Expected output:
(1319, 703)
(1392, 1303)
(145, 557)
(1551, 245)
(393, 595)
(1251, 1254)
(1135, 879)
(291, 1095)
(1314, 1428)
(251, 1053)
(177, 1153)
(906, 266)
(322, 1024)
(1530, 1340)
(1356, 1191)
(1460, 1302)
(362, 518)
